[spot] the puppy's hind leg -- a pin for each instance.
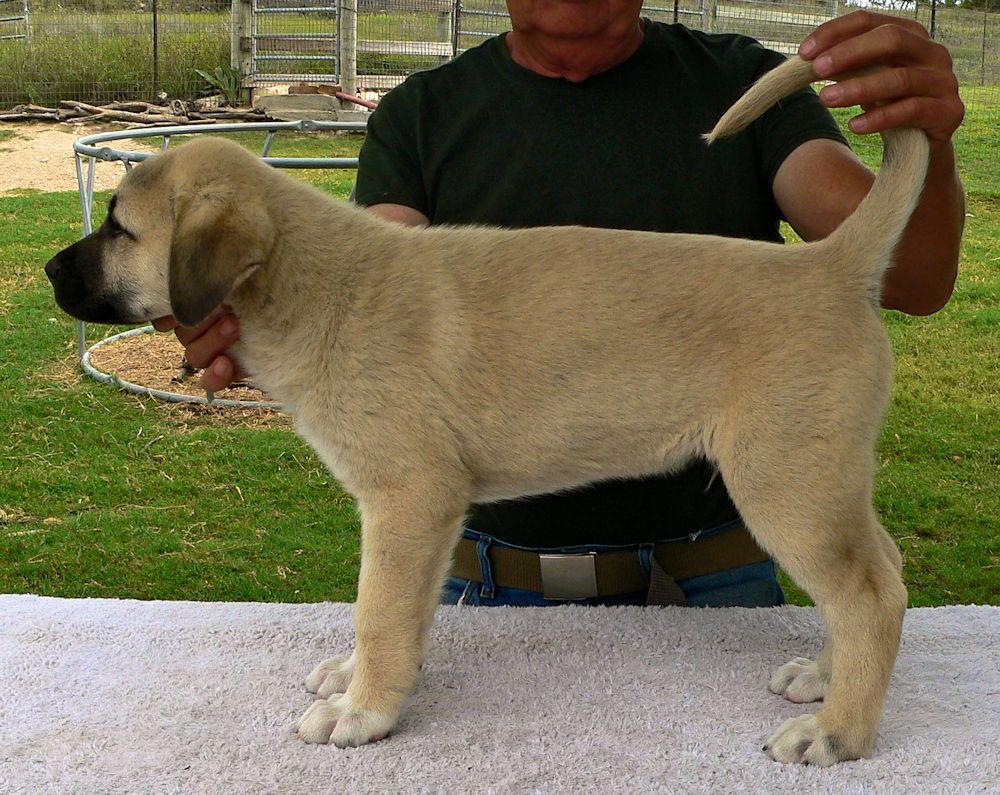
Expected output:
(407, 538)
(812, 511)
(803, 680)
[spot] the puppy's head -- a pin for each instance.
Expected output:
(183, 230)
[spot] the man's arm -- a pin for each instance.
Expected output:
(399, 213)
(822, 182)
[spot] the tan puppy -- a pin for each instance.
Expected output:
(431, 368)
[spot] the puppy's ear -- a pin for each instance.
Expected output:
(217, 241)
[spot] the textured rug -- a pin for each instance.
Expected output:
(104, 696)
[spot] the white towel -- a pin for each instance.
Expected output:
(105, 696)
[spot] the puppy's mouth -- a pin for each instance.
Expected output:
(95, 311)
(75, 275)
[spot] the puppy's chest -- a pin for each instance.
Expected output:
(334, 449)
(275, 368)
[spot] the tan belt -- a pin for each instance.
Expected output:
(598, 574)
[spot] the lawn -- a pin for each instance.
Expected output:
(107, 494)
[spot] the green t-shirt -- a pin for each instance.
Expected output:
(484, 140)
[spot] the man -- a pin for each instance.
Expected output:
(587, 114)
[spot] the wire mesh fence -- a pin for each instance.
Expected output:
(13, 19)
(106, 50)
(103, 50)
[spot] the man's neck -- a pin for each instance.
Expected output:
(574, 58)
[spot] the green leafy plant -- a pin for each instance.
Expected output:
(225, 80)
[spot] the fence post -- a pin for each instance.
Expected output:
(713, 13)
(347, 45)
(241, 47)
(456, 27)
(982, 63)
(156, 54)
(443, 28)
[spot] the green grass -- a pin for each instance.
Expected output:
(287, 144)
(107, 494)
(976, 144)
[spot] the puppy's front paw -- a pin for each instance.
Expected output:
(802, 740)
(331, 676)
(317, 724)
(339, 721)
(800, 681)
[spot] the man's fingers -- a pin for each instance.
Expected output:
(187, 334)
(203, 345)
(916, 87)
(886, 85)
(220, 374)
(888, 45)
(849, 26)
(926, 99)
(165, 323)
(933, 116)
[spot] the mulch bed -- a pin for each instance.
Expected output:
(154, 361)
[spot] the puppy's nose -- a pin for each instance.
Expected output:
(52, 268)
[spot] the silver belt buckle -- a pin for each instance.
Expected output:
(568, 577)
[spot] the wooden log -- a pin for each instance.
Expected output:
(67, 114)
(123, 115)
(133, 112)
(30, 108)
(28, 117)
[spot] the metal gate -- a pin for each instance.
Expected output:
(369, 43)
(293, 40)
(14, 21)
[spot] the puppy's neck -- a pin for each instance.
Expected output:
(292, 307)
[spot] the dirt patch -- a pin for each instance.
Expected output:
(40, 157)
(154, 361)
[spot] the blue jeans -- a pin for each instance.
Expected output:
(752, 585)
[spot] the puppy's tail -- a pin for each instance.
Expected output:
(864, 243)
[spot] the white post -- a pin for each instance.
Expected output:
(347, 45)
(241, 47)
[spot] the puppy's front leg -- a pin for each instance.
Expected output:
(406, 546)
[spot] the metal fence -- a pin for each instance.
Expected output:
(14, 22)
(368, 43)
(102, 50)
(134, 49)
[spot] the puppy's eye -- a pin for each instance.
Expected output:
(114, 228)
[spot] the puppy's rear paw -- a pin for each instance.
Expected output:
(340, 722)
(799, 681)
(331, 676)
(802, 740)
